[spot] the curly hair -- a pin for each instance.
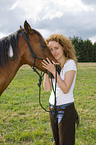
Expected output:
(66, 43)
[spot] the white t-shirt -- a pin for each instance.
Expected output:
(62, 98)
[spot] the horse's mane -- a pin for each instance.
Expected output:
(4, 47)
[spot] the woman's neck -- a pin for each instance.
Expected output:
(62, 61)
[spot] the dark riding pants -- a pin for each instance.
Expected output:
(64, 131)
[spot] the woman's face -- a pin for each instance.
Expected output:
(56, 50)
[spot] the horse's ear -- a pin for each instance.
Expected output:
(27, 27)
(21, 27)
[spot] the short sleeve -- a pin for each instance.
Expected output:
(70, 65)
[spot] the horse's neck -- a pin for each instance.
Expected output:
(7, 74)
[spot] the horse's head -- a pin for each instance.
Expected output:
(38, 49)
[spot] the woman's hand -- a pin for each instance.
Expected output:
(49, 66)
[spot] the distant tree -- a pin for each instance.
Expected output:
(85, 50)
(89, 51)
(75, 41)
(94, 51)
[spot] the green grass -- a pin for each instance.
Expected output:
(24, 122)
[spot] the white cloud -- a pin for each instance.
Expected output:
(69, 17)
(51, 8)
(31, 7)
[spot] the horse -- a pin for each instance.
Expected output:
(25, 46)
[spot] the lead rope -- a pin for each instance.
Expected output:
(39, 85)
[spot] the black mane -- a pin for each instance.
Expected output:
(4, 47)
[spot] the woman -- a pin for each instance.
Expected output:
(64, 117)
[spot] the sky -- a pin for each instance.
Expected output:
(68, 17)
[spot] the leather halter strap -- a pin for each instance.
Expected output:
(25, 36)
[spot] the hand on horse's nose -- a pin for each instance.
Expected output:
(48, 65)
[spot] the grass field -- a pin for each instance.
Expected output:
(24, 122)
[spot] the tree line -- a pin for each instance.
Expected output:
(85, 50)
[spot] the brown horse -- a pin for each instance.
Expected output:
(25, 46)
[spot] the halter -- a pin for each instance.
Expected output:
(25, 36)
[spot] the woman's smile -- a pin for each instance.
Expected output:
(55, 55)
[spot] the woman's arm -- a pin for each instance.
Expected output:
(47, 83)
(68, 80)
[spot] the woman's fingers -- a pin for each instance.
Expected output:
(48, 60)
(44, 61)
(53, 62)
(48, 65)
(44, 64)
